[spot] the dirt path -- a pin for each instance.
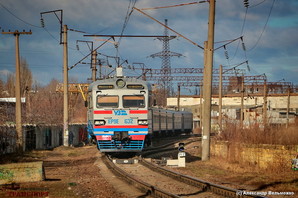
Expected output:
(70, 172)
(78, 172)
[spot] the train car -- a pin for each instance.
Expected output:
(187, 122)
(121, 117)
(118, 113)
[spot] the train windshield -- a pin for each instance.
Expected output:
(134, 101)
(107, 101)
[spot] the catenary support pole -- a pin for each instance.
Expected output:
(65, 88)
(201, 105)
(207, 87)
(220, 99)
(94, 57)
(265, 104)
(242, 102)
(178, 98)
(288, 106)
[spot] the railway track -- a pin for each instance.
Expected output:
(156, 181)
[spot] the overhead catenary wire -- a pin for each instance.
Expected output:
(18, 17)
(194, 43)
(171, 6)
(264, 28)
(131, 5)
(257, 4)
(241, 33)
(30, 24)
(88, 54)
(36, 26)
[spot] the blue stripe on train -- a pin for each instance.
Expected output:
(128, 134)
(120, 129)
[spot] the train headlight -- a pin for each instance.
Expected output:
(143, 122)
(120, 83)
(99, 122)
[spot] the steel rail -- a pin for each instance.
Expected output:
(156, 192)
(143, 186)
(206, 186)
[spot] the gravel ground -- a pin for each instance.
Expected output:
(238, 176)
(70, 172)
(78, 172)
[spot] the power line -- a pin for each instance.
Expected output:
(127, 17)
(18, 17)
(263, 27)
(45, 29)
(241, 33)
(257, 4)
(10, 12)
(171, 6)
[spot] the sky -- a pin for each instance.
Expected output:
(269, 29)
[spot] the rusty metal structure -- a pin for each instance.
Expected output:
(232, 80)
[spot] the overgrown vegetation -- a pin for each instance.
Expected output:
(272, 146)
(277, 135)
(43, 104)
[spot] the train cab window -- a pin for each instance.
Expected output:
(107, 101)
(133, 101)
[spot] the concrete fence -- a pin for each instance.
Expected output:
(259, 155)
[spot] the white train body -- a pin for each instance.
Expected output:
(121, 117)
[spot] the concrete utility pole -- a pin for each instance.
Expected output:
(207, 86)
(21, 144)
(63, 40)
(242, 102)
(178, 98)
(288, 106)
(265, 104)
(201, 105)
(202, 87)
(94, 56)
(220, 99)
(65, 87)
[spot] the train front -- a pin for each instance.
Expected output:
(120, 114)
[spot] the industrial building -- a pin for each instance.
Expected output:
(280, 109)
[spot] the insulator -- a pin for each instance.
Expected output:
(77, 47)
(42, 22)
(243, 47)
(226, 54)
(246, 3)
(248, 68)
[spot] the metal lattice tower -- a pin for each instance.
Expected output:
(165, 56)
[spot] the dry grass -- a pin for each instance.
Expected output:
(255, 135)
(273, 138)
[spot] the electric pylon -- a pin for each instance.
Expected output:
(165, 56)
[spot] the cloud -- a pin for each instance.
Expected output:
(277, 46)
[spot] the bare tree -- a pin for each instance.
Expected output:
(26, 80)
(10, 85)
(26, 77)
(2, 88)
(48, 105)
